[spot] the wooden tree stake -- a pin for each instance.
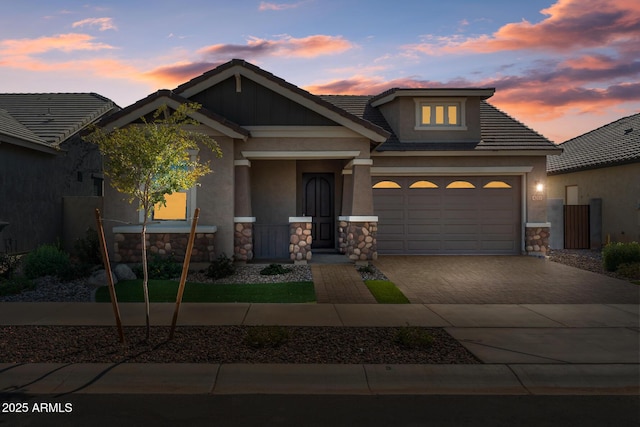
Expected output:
(185, 270)
(107, 267)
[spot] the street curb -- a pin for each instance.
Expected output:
(318, 379)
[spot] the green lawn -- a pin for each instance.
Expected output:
(385, 292)
(166, 291)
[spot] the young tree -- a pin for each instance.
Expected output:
(151, 160)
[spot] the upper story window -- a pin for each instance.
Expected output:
(440, 114)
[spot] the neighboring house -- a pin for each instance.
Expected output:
(409, 171)
(601, 171)
(43, 163)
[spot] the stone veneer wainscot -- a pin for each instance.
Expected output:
(300, 239)
(357, 237)
(165, 242)
(537, 238)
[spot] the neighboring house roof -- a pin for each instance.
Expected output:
(48, 119)
(499, 131)
(614, 144)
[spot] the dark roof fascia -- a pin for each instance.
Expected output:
(165, 93)
(285, 85)
(31, 145)
(391, 94)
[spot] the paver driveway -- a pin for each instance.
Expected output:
(501, 280)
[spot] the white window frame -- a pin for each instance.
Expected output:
(459, 103)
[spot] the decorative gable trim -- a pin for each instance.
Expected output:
(237, 67)
(166, 97)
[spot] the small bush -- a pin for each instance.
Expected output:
(87, 249)
(15, 285)
(8, 265)
(615, 254)
(160, 268)
(413, 337)
(629, 270)
(275, 269)
(47, 260)
(266, 336)
(221, 267)
(366, 269)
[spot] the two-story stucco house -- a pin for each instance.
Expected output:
(409, 171)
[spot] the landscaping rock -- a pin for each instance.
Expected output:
(124, 272)
(99, 278)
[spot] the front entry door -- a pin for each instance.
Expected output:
(318, 203)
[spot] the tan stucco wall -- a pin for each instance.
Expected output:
(619, 189)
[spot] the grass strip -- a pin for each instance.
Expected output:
(166, 291)
(385, 292)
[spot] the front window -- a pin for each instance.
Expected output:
(174, 210)
(439, 114)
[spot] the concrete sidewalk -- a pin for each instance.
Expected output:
(526, 349)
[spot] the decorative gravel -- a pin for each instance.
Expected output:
(584, 259)
(221, 344)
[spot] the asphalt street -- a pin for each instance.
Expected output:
(320, 410)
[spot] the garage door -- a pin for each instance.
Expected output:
(448, 215)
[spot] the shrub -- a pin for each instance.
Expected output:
(87, 249)
(366, 269)
(160, 268)
(47, 260)
(413, 337)
(15, 285)
(629, 270)
(266, 336)
(8, 265)
(615, 254)
(275, 269)
(221, 267)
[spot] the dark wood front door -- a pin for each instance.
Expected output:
(318, 203)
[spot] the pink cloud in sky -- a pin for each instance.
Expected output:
(570, 24)
(63, 42)
(306, 47)
(214, 55)
(103, 24)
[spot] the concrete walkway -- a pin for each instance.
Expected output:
(526, 349)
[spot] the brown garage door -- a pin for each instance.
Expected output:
(448, 215)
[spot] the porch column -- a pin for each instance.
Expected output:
(358, 227)
(300, 239)
(362, 200)
(243, 221)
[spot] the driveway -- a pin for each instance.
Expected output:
(501, 280)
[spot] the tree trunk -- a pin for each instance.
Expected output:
(145, 273)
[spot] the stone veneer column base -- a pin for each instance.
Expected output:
(536, 239)
(300, 239)
(243, 239)
(357, 238)
(128, 248)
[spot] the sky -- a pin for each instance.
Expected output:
(562, 67)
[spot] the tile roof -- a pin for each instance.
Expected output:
(499, 131)
(613, 144)
(50, 118)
